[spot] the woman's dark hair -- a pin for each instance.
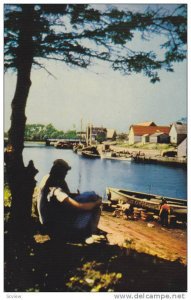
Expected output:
(59, 169)
(57, 172)
(57, 176)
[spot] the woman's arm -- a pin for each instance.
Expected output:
(82, 206)
(64, 198)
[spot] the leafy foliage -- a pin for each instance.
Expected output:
(7, 196)
(89, 278)
(39, 132)
(79, 34)
(101, 136)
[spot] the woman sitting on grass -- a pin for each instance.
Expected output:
(66, 215)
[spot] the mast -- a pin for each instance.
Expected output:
(90, 134)
(81, 130)
(87, 134)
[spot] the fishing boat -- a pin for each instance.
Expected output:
(111, 156)
(90, 152)
(78, 148)
(147, 201)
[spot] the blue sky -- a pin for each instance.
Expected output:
(101, 96)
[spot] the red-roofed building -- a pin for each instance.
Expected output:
(150, 123)
(136, 132)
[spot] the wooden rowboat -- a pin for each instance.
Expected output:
(148, 201)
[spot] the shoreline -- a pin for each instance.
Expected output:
(149, 156)
(157, 241)
(140, 154)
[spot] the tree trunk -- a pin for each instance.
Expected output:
(20, 178)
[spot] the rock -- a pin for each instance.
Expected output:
(89, 240)
(89, 281)
(150, 225)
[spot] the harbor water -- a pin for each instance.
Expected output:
(97, 174)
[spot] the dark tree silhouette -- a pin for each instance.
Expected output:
(76, 34)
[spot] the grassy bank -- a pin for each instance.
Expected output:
(147, 146)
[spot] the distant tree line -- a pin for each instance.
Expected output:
(40, 132)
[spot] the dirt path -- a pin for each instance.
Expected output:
(166, 243)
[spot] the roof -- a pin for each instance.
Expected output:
(96, 130)
(110, 133)
(146, 124)
(141, 130)
(183, 142)
(180, 128)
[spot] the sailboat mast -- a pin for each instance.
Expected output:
(90, 134)
(87, 135)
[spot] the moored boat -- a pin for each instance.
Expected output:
(147, 201)
(63, 145)
(109, 156)
(78, 148)
(90, 152)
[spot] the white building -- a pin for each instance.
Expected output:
(182, 149)
(140, 133)
(178, 133)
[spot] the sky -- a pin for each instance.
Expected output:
(100, 96)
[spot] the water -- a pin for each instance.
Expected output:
(97, 174)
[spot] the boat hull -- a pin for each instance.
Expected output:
(147, 201)
(117, 158)
(88, 154)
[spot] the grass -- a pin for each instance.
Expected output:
(53, 266)
(147, 146)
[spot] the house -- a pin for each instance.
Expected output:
(159, 137)
(137, 132)
(182, 149)
(145, 138)
(178, 133)
(98, 132)
(111, 134)
(95, 134)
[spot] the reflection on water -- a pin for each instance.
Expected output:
(88, 174)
